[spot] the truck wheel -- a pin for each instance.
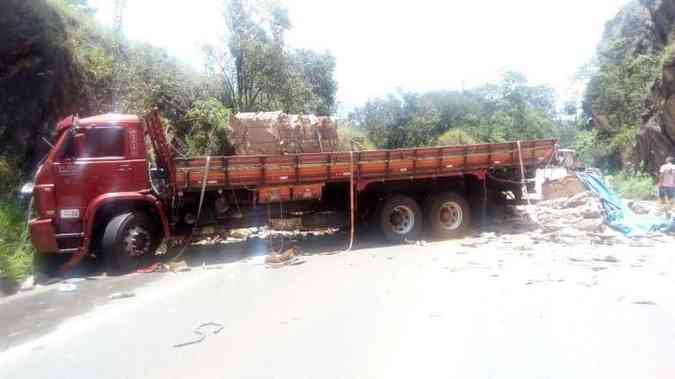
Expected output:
(129, 240)
(401, 219)
(449, 215)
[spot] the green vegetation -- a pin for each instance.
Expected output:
(15, 253)
(635, 187)
(616, 100)
(455, 137)
(207, 128)
(352, 138)
(508, 110)
(256, 71)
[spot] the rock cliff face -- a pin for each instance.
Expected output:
(38, 80)
(648, 27)
(656, 139)
(636, 23)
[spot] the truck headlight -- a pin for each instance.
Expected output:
(27, 190)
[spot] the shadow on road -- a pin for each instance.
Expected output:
(305, 244)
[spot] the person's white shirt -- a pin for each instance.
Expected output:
(667, 172)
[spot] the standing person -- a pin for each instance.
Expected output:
(667, 181)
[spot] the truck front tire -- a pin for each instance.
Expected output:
(129, 241)
(401, 219)
(448, 214)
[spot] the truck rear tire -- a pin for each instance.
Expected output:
(448, 214)
(401, 219)
(129, 241)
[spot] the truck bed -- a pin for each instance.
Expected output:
(378, 165)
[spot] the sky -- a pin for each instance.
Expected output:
(381, 46)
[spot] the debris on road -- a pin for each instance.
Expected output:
(28, 284)
(70, 285)
(155, 267)
(121, 295)
(609, 258)
(285, 258)
(644, 302)
(179, 266)
(67, 287)
(201, 333)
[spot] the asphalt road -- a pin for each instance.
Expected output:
(436, 311)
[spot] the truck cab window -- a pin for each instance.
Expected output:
(102, 142)
(94, 143)
(68, 151)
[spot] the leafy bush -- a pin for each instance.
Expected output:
(10, 175)
(508, 110)
(348, 134)
(589, 148)
(635, 187)
(15, 252)
(206, 128)
(615, 97)
(455, 137)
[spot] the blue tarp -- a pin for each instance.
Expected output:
(619, 216)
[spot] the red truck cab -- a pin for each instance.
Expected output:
(96, 161)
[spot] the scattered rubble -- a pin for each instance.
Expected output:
(67, 287)
(28, 284)
(575, 220)
(178, 266)
(121, 295)
(285, 258)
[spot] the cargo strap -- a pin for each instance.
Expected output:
(530, 211)
(205, 175)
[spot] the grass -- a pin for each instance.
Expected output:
(634, 187)
(15, 252)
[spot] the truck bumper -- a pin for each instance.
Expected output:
(42, 235)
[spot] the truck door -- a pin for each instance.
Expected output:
(94, 161)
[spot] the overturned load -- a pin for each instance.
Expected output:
(278, 133)
(564, 187)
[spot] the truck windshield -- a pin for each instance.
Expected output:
(102, 142)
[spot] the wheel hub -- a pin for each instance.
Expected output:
(450, 215)
(137, 242)
(402, 219)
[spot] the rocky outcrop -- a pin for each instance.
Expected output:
(646, 27)
(635, 25)
(656, 139)
(37, 79)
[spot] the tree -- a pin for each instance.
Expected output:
(455, 137)
(510, 109)
(614, 102)
(80, 6)
(206, 128)
(256, 70)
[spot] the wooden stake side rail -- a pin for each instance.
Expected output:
(257, 171)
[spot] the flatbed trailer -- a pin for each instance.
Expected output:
(365, 166)
(104, 190)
